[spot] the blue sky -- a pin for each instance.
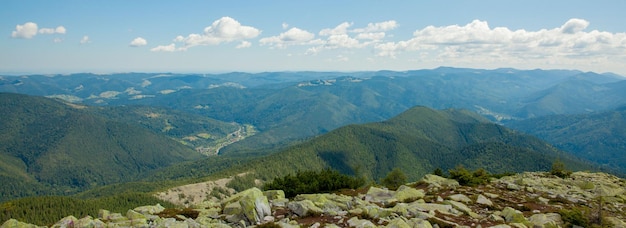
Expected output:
(253, 36)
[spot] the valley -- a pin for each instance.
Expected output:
(176, 138)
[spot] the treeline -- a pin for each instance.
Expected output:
(46, 210)
(308, 182)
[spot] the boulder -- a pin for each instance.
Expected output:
(511, 215)
(483, 200)
(398, 223)
(328, 202)
(150, 209)
(232, 209)
(136, 219)
(304, 208)
(407, 194)
(437, 181)
(69, 221)
(360, 223)
(462, 207)
(460, 198)
(546, 220)
(13, 223)
(254, 205)
(274, 194)
(380, 195)
(427, 207)
(419, 223)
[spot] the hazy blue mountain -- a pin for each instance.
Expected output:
(288, 106)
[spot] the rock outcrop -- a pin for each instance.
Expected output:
(522, 200)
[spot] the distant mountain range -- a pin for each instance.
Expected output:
(53, 147)
(141, 126)
(287, 106)
(599, 137)
(417, 141)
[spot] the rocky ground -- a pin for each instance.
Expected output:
(523, 200)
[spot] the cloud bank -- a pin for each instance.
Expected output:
(29, 30)
(223, 30)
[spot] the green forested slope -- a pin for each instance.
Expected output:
(52, 147)
(417, 141)
(598, 137)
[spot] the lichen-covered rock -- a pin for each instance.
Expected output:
(136, 219)
(13, 223)
(419, 223)
(360, 223)
(398, 223)
(483, 200)
(304, 208)
(274, 194)
(233, 208)
(462, 207)
(548, 220)
(460, 198)
(380, 195)
(254, 205)
(69, 221)
(150, 209)
(437, 181)
(327, 202)
(408, 194)
(511, 215)
(427, 207)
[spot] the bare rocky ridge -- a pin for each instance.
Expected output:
(531, 199)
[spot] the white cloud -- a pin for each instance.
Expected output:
(476, 42)
(371, 36)
(574, 25)
(340, 29)
(244, 44)
(57, 40)
(57, 30)
(378, 27)
(138, 42)
(166, 48)
(285, 25)
(85, 40)
(26, 31)
(293, 36)
(224, 30)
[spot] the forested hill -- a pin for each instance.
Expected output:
(51, 147)
(599, 137)
(417, 141)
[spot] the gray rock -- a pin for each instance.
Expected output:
(513, 216)
(460, 198)
(13, 223)
(150, 209)
(274, 194)
(483, 200)
(304, 208)
(360, 223)
(546, 220)
(408, 194)
(437, 181)
(69, 221)
(380, 195)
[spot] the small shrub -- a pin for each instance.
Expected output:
(303, 182)
(465, 177)
(574, 217)
(240, 183)
(438, 172)
(394, 179)
(558, 169)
